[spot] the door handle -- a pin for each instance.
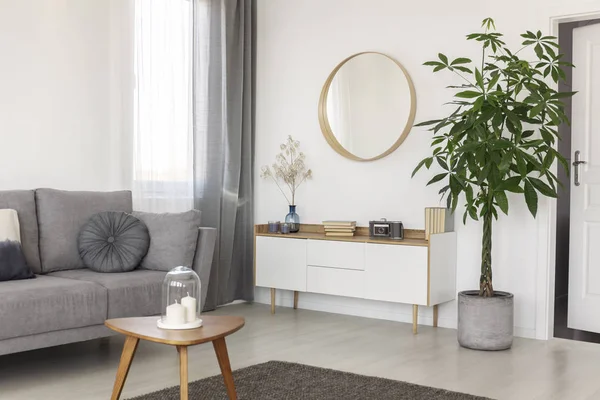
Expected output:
(576, 165)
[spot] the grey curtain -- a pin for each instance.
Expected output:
(224, 141)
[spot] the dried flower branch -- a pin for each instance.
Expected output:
(289, 168)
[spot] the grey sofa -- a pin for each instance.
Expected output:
(66, 302)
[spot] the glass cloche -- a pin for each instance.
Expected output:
(181, 300)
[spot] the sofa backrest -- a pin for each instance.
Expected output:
(24, 202)
(61, 214)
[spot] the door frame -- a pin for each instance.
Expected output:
(546, 268)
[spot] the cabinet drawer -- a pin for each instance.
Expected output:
(339, 282)
(329, 253)
(396, 273)
(281, 263)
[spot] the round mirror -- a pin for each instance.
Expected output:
(367, 106)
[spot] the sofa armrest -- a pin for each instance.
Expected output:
(203, 259)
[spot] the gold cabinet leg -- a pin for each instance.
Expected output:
(435, 316)
(415, 318)
(183, 372)
(272, 300)
(295, 300)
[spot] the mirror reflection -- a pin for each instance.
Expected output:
(369, 103)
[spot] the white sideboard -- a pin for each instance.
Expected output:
(413, 271)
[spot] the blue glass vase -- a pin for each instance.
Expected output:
(293, 219)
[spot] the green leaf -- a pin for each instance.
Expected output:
(542, 187)
(535, 111)
(562, 95)
(511, 184)
(430, 122)
(477, 104)
(506, 161)
(531, 198)
(437, 140)
(488, 23)
(563, 161)
(461, 60)
(432, 63)
(443, 58)
(493, 82)
(420, 165)
(527, 134)
(473, 213)
(468, 94)
(502, 201)
(498, 144)
(548, 159)
(442, 163)
(514, 119)
(469, 194)
(437, 178)
(468, 147)
(479, 79)
(463, 69)
(455, 186)
(521, 164)
(484, 173)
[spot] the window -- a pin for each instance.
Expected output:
(163, 105)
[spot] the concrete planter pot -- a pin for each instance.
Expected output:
(485, 323)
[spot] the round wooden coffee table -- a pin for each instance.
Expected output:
(214, 329)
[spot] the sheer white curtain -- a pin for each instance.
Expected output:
(163, 106)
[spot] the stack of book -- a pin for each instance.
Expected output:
(438, 220)
(339, 228)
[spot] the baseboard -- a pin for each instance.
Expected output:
(369, 309)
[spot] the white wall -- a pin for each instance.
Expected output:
(300, 42)
(56, 127)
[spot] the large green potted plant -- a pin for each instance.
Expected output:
(500, 137)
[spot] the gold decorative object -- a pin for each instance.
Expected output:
(438, 220)
(361, 128)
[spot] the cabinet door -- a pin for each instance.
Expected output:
(396, 273)
(281, 263)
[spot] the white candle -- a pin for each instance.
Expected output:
(190, 308)
(175, 314)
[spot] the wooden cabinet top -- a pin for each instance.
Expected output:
(412, 237)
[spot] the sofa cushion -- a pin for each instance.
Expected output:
(61, 215)
(24, 202)
(173, 238)
(13, 264)
(47, 304)
(113, 241)
(130, 294)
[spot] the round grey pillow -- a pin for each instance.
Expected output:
(113, 242)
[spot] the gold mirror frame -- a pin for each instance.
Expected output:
(324, 121)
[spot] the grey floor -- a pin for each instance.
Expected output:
(557, 369)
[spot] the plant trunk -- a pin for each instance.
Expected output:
(486, 289)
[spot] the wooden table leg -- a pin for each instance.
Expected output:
(295, 299)
(223, 358)
(435, 316)
(183, 372)
(272, 300)
(129, 349)
(415, 318)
